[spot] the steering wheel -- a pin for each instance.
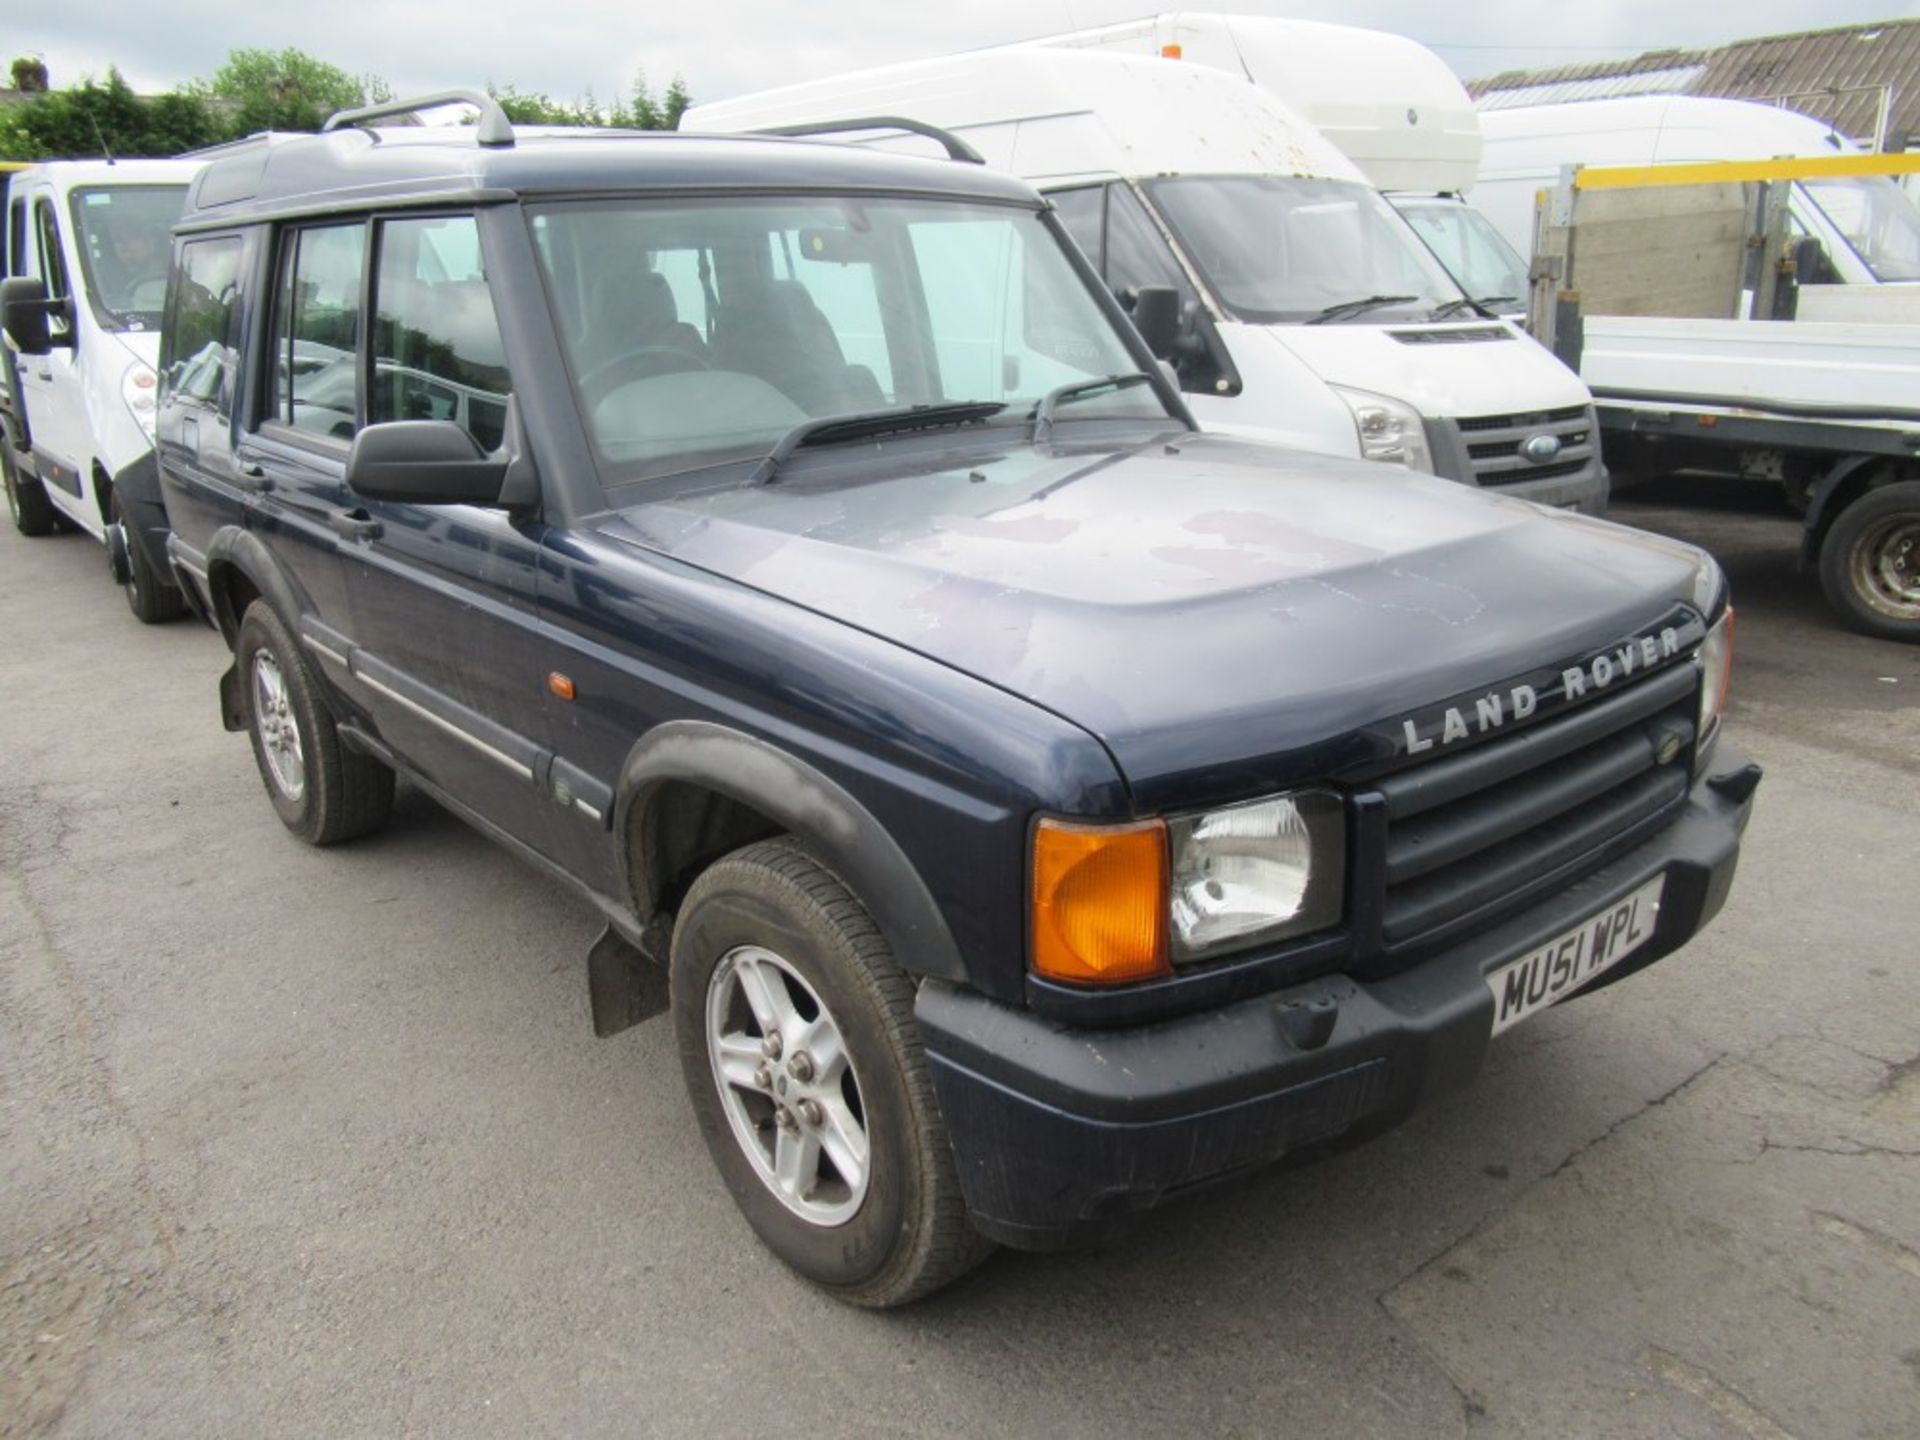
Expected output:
(603, 380)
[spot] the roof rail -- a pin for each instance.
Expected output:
(956, 148)
(494, 127)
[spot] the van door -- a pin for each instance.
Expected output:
(50, 383)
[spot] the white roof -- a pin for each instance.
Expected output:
(1048, 115)
(1391, 105)
(65, 175)
(1653, 129)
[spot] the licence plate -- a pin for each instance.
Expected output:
(1537, 979)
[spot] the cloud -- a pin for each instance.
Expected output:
(566, 47)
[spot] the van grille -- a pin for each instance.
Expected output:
(1494, 453)
(1494, 826)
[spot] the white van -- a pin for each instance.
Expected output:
(1391, 105)
(1867, 225)
(87, 248)
(1313, 316)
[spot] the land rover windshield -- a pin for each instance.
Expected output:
(125, 237)
(1284, 250)
(700, 331)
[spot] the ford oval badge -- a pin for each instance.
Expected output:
(1540, 448)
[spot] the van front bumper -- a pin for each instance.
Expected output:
(1062, 1135)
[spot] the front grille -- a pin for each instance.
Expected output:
(1494, 453)
(1486, 830)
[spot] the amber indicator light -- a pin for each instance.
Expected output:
(1100, 902)
(560, 685)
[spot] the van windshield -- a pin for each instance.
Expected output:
(1279, 249)
(1878, 219)
(125, 234)
(1475, 253)
(700, 331)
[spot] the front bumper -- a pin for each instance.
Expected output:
(1061, 1135)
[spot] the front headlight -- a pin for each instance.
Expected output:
(1390, 430)
(1113, 904)
(1255, 872)
(137, 389)
(1715, 659)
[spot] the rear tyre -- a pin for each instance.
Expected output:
(27, 503)
(151, 596)
(809, 1081)
(322, 791)
(1870, 562)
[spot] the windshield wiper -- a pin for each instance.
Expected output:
(831, 429)
(1077, 390)
(1347, 309)
(1478, 304)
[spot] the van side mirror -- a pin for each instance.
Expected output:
(24, 313)
(424, 462)
(1156, 315)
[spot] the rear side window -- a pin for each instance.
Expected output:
(203, 342)
(436, 343)
(316, 330)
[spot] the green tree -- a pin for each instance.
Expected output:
(283, 90)
(640, 111)
(92, 118)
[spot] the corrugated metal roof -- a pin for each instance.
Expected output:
(1836, 75)
(1669, 80)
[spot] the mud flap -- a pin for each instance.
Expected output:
(233, 713)
(624, 984)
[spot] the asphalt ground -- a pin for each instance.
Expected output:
(321, 1143)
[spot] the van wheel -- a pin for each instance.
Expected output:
(27, 503)
(152, 597)
(1870, 562)
(809, 1080)
(322, 791)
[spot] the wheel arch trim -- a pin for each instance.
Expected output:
(806, 804)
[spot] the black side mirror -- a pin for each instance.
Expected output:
(1156, 315)
(24, 313)
(424, 462)
(1811, 264)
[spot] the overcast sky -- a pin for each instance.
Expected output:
(727, 47)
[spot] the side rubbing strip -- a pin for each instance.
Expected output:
(499, 756)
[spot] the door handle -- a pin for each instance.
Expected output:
(253, 472)
(354, 524)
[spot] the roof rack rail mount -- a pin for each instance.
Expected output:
(956, 148)
(494, 127)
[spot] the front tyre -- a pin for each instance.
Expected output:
(151, 596)
(807, 1076)
(27, 504)
(1870, 562)
(322, 791)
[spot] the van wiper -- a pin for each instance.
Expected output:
(831, 429)
(1479, 304)
(1347, 309)
(1078, 390)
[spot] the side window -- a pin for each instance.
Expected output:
(316, 330)
(1137, 253)
(833, 269)
(17, 263)
(436, 343)
(203, 337)
(53, 260)
(1084, 214)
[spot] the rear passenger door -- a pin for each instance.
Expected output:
(442, 597)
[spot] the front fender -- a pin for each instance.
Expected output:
(804, 802)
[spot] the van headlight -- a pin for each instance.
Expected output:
(1255, 872)
(138, 388)
(1390, 430)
